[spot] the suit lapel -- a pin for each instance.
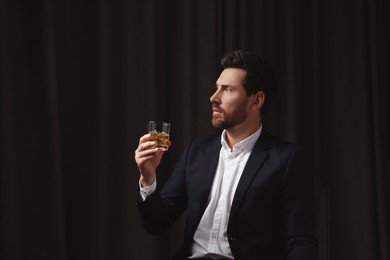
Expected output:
(255, 160)
(208, 172)
(206, 180)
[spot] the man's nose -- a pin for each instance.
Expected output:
(215, 97)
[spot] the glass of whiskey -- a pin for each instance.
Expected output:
(159, 132)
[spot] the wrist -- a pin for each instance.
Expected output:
(146, 181)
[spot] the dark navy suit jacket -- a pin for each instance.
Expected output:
(271, 215)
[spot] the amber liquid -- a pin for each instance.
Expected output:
(161, 138)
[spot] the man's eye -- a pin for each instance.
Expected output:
(228, 90)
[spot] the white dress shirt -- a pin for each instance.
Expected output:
(210, 238)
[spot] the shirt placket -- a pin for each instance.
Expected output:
(221, 204)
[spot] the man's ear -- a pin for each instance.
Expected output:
(259, 99)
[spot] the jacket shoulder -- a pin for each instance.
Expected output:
(205, 140)
(276, 145)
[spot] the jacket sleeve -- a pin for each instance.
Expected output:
(298, 219)
(162, 208)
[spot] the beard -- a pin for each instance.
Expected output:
(228, 121)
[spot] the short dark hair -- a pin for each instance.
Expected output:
(260, 75)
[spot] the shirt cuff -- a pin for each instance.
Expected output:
(147, 191)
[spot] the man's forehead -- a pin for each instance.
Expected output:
(231, 76)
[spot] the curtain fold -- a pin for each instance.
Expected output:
(379, 122)
(50, 81)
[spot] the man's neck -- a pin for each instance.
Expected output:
(239, 133)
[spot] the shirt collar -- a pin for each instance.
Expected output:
(247, 144)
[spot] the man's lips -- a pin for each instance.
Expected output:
(216, 111)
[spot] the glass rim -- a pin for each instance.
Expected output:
(158, 122)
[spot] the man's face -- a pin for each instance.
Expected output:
(230, 101)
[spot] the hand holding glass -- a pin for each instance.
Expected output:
(159, 132)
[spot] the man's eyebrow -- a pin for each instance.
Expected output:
(223, 85)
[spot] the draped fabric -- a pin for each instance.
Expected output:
(80, 79)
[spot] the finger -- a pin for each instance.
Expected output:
(144, 138)
(159, 152)
(146, 146)
(139, 154)
(140, 161)
(144, 157)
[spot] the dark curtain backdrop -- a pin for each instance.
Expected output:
(80, 79)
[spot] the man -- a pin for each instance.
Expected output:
(246, 193)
